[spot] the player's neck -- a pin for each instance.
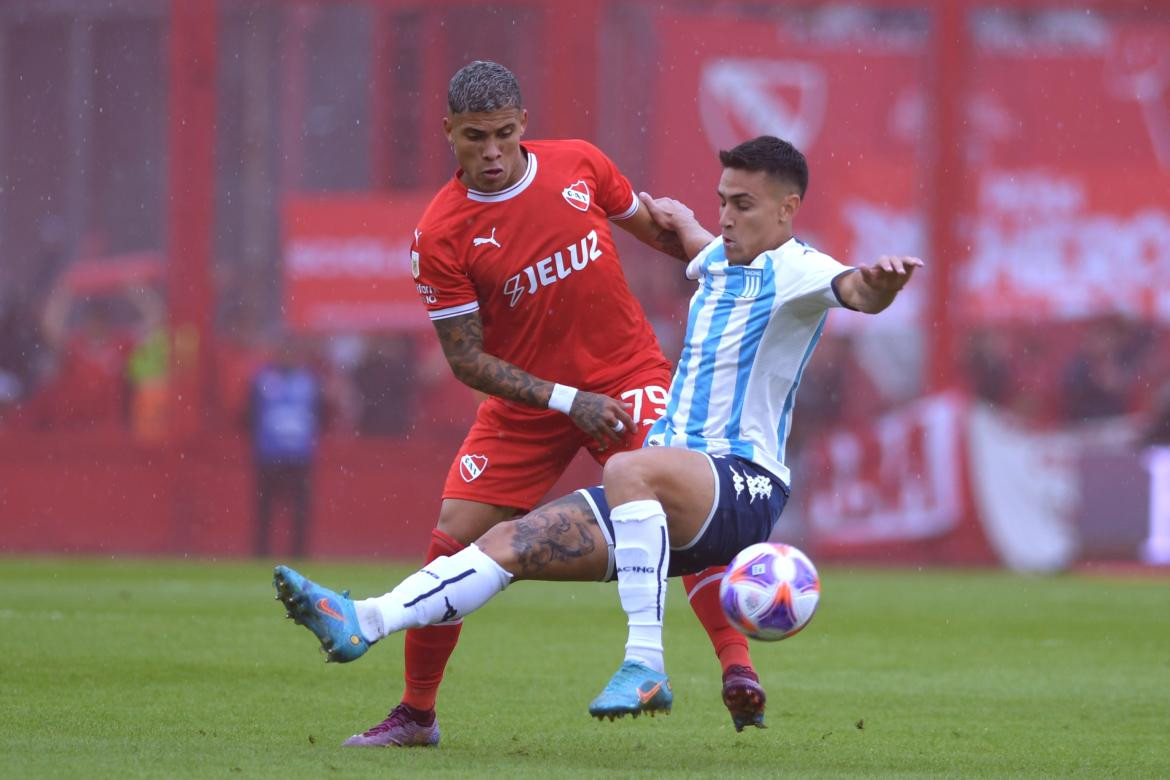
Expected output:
(521, 169)
(782, 239)
(518, 174)
(773, 244)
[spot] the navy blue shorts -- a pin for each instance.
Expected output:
(748, 502)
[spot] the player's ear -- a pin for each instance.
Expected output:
(523, 120)
(449, 129)
(789, 206)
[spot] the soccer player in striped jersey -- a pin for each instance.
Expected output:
(716, 481)
(515, 262)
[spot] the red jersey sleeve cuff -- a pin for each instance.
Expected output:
(631, 211)
(454, 311)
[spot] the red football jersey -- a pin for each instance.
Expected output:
(538, 262)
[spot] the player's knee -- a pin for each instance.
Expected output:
(497, 545)
(627, 470)
(614, 472)
(466, 521)
(455, 527)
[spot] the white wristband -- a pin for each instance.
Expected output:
(562, 398)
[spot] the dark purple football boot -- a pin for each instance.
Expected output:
(404, 727)
(744, 697)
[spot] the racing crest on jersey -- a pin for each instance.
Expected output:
(577, 195)
(753, 282)
(471, 466)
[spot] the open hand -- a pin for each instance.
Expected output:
(668, 213)
(889, 273)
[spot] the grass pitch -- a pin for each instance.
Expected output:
(187, 669)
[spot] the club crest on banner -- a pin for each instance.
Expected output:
(1137, 67)
(744, 98)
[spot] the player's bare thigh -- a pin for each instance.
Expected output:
(558, 541)
(466, 521)
(681, 480)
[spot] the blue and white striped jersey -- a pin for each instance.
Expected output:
(750, 332)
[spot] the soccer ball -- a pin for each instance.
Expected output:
(770, 591)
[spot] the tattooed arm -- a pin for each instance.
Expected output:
(462, 341)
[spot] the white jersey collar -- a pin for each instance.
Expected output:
(511, 192)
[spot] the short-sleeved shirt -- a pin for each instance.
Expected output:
(538, 262)
(751, 330)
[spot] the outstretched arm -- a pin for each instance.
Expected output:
(871, 288)
(462, 341)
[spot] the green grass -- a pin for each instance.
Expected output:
(187, 669)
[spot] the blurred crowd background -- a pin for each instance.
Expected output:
(190, 188)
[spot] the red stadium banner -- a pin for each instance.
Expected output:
(1071, 136)
(99, 275)
(347, 263)
(901, 480)
(1068, 144)
(851, 102)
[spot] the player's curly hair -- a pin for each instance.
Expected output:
(773, 155)
(481, 86)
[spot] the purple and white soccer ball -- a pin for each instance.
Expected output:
(770, 591)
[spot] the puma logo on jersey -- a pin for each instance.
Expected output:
(577, 195)
(480, 241)
(552, 269)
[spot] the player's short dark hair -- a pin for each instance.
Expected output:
(770, 154)
(481, 86)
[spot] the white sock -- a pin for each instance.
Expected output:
(641, 553)
(369, 620)
(443, 591)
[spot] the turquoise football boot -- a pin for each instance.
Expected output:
(327, 614)
(635, 688)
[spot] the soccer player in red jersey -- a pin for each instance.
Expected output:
(517, 268)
